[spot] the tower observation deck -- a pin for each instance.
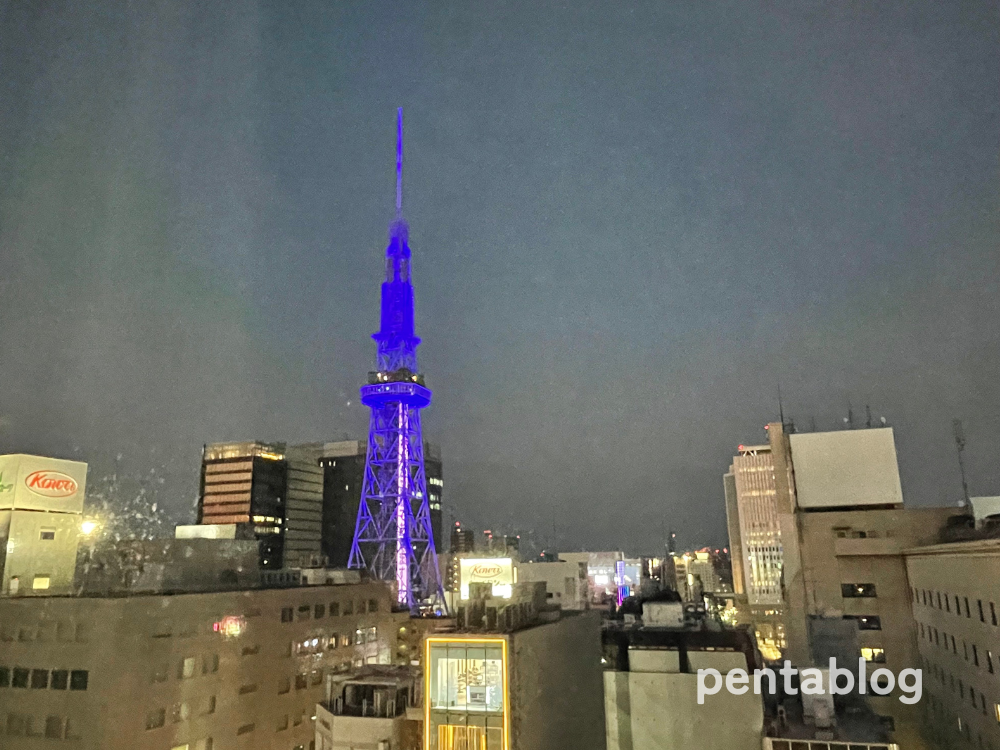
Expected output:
(393, 539)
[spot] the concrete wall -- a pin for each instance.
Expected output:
(556, 688)
(663, 714)
(566, 583)
(25, 555)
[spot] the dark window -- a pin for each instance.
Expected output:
(287, 614)
(947, 607)
(245, 729)
(4, 676)
(320, 611)
(316, 677)
(47, 535)
(54, 727)
(335, 609)
(989, 662)
(939, 599)
(954, 648)
(20, 678)
(349, 608)
(209, 705)
(251, 650)
(857, 590)
(373, 605)
(982, 616)
(300, 682)
(78, 679)
(39, 679)
(958, 605)
(975, 655)
(967, 612)
(993, 614)
(244, 689)
(60, 679)
(304, 611)
(156, 719)
(924, 592)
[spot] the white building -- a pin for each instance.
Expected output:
(566, 582)
(760, 533)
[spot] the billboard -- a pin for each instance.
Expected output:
(498, 571)
(846, 468)
(41, 483)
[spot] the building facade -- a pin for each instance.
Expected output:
(956, 608)
(41, 518)
(204, 671)
(759, 535)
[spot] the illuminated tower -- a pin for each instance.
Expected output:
(393, 537)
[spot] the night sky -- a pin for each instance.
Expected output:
(630, 221)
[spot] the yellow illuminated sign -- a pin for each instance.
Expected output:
(427, 683)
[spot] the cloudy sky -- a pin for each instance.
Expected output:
(630, 222)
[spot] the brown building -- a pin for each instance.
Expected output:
(195, 671)
(956, 606)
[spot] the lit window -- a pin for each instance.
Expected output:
(40, 583)
(874, 655)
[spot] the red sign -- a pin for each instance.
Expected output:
(51, 483)
(487, 571)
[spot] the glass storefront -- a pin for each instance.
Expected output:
(467, 697)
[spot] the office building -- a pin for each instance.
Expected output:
(202, 671)
(529, 680)
(343, 465)
(755, 531)
(463, 541)
(697, 574)
(650, 685)
(956, 608)
(41, 519)
(244, 485)
(735, 537)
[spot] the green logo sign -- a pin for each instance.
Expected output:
(5, 487)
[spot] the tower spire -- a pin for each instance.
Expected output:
(393, 536)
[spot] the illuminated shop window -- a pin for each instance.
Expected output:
(875, 655)
(467, 703)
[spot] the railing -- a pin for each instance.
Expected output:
(771, 743)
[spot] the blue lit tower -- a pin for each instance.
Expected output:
(392, 537)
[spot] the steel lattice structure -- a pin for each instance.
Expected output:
(393, 537)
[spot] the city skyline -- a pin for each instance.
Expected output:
(617, 268)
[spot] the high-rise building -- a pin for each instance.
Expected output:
(735, 537)
(463, 541)
(759, 536)
(41, 519)
(696, 575)
(268, 493)
(394, 538)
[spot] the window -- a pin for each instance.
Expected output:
(78, 679)
(47, 535)
(947, 607)
(251, 650)
(873, 654)
(372, 635)
(993, 614)
(954, 648)
(180, 712)
(319, 611)
(982, 615)
(958, 605)
(373, 605)
(4, 677)
(967, 612)
(348, 608)
(304, 611)
(209, 706)
(989, 662)
(996, 712)
(316, 677)
(209, 664)
(39, 679)
(40, 583)
(245, 729)
(359, 637)
(54, 727)
(345, 640)
(156, 719)
(300, 681)
(333, 641)
(857, 590)
(185, 669)
(334, 609)
(975, 655)
(287, 614)
(20, 678)
(244, 689)
(868, 622)
(939, 599)
(284, 685)
(60, 679)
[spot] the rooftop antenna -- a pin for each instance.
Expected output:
(868, 416)
(781, 408)
(960, 444)
(849, 419)
(399, 164)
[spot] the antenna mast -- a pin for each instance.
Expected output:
(960, 444)
(399, 163)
